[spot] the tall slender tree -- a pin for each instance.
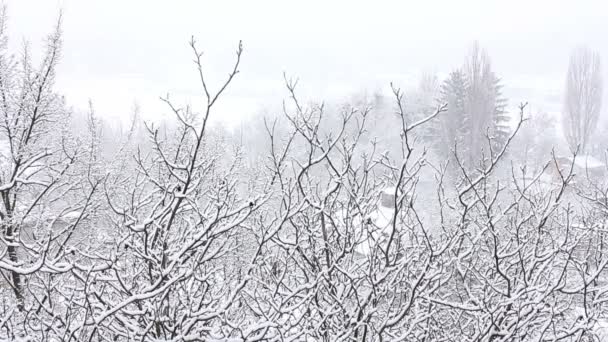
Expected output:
(485, 105)
(583, 98)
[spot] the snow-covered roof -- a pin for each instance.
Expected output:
(587, 162)
(369, 230)
(71, 216)
(389, 190)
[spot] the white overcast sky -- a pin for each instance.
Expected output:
(120, 52)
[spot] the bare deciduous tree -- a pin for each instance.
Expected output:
(583, 98)
(328, 238)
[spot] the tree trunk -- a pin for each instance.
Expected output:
(16, 277)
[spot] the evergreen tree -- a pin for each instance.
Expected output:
(500, 128)
(476, 108)
(452, 126)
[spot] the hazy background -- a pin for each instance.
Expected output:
(121, 52)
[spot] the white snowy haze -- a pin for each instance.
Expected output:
(118, 52)
(303, 171)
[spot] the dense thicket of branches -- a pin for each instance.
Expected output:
(335, 227)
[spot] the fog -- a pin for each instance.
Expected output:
(316, 171)
(120, 52)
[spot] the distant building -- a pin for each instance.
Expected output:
(584, 167)
(31, 232)
(376, 227)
